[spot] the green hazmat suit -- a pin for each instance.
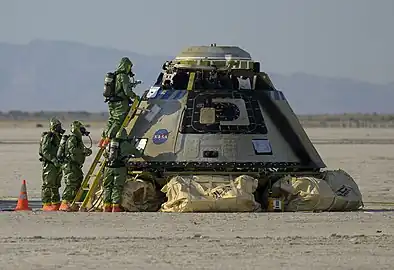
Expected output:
(115, 171)
(119, 107)
(51, 168)
(75, 155)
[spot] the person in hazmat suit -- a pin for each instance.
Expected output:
(117, 152)
(119, 99)
(51, 167)
(74, 154)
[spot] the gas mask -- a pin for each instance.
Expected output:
(58, 129)
(84, 132)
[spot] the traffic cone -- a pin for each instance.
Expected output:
(23, 202)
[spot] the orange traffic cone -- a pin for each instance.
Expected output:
(23, 202)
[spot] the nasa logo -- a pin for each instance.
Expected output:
(160, 136)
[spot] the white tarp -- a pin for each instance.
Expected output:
(210, 194)
(348, 195)
(337, 191)
(140, 196)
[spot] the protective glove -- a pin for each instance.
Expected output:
(88, 152)
(131, 101)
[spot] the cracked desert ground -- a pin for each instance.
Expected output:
(358, 240)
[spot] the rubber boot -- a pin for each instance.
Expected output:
(65, 206)
(55, 206)
(46, 207)
(116, 208)
(107, 208)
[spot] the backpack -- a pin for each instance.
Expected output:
(50, 133)
(61, 151)
(109, 85)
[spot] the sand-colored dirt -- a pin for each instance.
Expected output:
(362, 240)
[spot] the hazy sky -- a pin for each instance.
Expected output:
(346, 38)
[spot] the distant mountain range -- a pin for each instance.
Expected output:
(68, 76)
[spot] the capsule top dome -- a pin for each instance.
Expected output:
(213, 52)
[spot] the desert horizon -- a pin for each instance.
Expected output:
(22, 119)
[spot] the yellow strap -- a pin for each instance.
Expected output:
(191, 81)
